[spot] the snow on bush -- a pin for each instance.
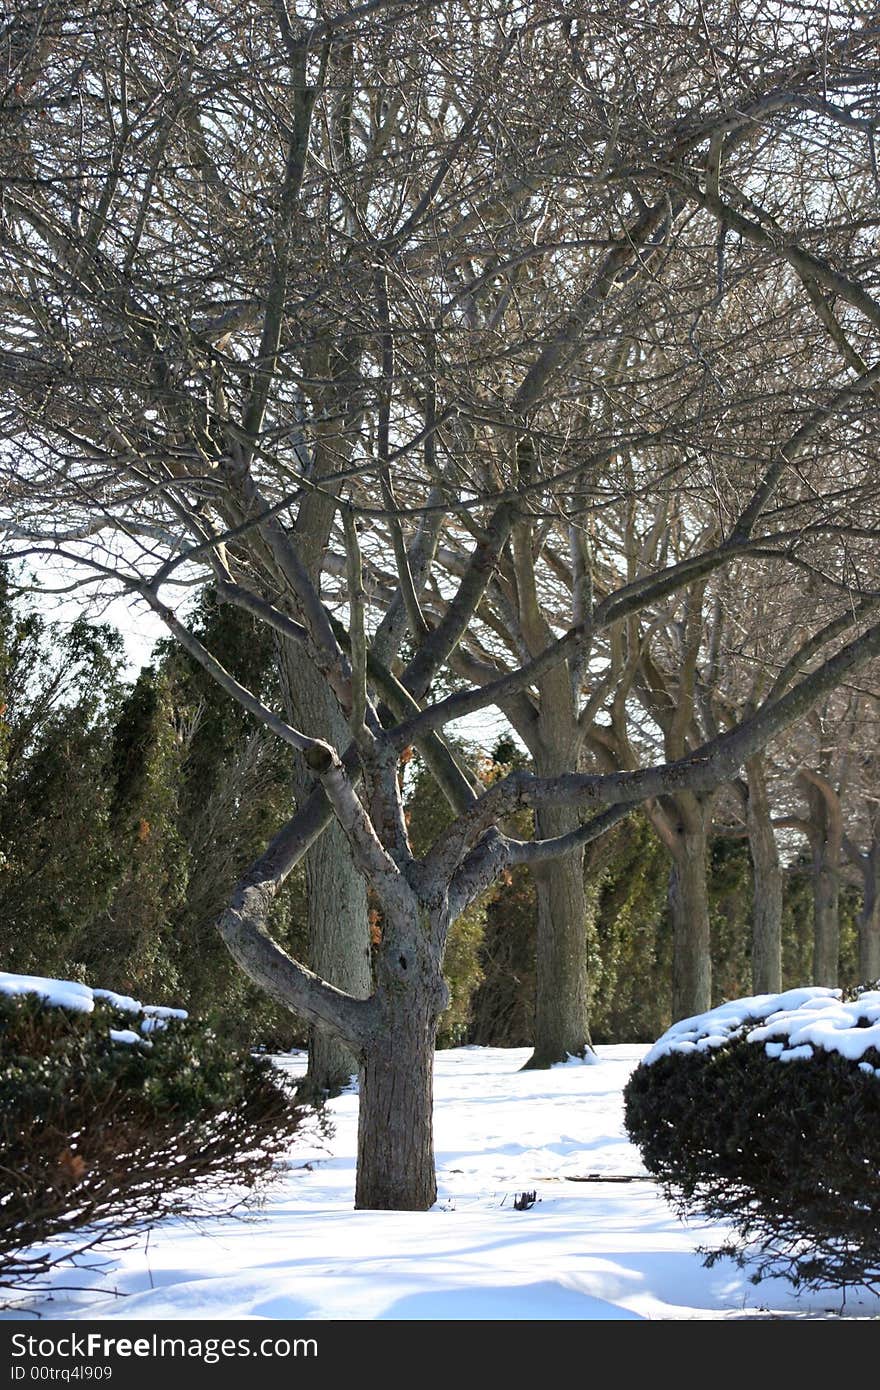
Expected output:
(114, 1114)
(793, 1026)
(765, 1112)
(70, 994)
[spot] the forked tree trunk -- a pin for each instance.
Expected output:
(689, 910)
(395, 1167)
(767, 878)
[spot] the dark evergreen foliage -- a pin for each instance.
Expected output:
(503, 1006)
(59, 695)
(130, 811)
(788, 1153)
(100, 1138)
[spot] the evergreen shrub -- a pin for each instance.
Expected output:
(103, 1135)
(786, 1149)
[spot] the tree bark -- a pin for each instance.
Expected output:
(767, 872)
(869, 918)
(395, 1167)
(689, 910)
(561, 1028)
(339, 934)
(339, 948)
(826, 844)
(561, 960)
(826, 917)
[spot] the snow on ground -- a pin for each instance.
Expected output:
(585, 1250)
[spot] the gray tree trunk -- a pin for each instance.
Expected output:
(561, 1028)
(826, 917)
(561, 957)
(767, 874)
(395, 1166)
(689, 910)
(826, 845)
(339, 947)
(869, 918)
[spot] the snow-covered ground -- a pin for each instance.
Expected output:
(585, 1250)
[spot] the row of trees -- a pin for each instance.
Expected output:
(491, 356)
(121, 844)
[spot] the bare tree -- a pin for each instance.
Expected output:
(701, 319)
(247, 343)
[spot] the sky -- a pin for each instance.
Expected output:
(141, 629)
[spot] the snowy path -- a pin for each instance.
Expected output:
(585, 1250)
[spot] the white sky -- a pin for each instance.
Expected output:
(141, 629)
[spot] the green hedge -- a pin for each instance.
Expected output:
(100, 1137)
(787, 1152)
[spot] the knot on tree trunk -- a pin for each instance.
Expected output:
(319, 759)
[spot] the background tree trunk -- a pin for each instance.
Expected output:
(339, 947)
(689, 910)
(826, 916)
(561, 956)
(767, 906)
(826, 844)
(339, 933)
(869, 916)
(561, 1028)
